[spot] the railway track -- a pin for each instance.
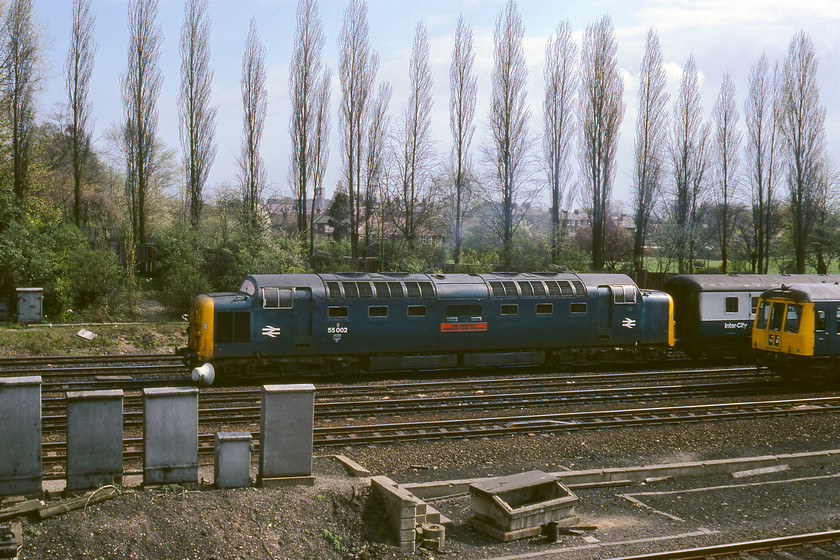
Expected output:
(324, 437)
(823, 545)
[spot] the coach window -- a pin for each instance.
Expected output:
(777, 314)
(416, 310)
(819, 320)
(732, 305)
(378, 311)
(578, 308)
(509, 309)
(338, 312)
(837, 322)
(763, 314)
(753, 305)
(794, 314)
(545, 308)
(277, 298)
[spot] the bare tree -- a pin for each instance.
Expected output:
(304, 80)
(79, 68)
(558, 124)
(141, 85)
(357, 73)
(651, 143)
(198, 117)
(803, 128)
(463, 87)
(689, 150)
(509, 148)
(416, 146)
(320, 148)
(762, 152)
(254, 106)
(727, 147)
(375, 172)
(601, 112)
(21, 77)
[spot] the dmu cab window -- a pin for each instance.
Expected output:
(777, 315)
(793, 318)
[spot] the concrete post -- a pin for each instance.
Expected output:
(94, 438)
(20, 435)
(170, 438)
(232, 468)
(287, 421)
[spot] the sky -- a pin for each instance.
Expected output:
(723, 35)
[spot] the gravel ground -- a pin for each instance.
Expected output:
(339, 518)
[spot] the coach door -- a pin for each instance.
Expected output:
(303, 318)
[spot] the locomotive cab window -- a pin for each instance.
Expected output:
(732, 305)
(416, 310)
(338, 312)
(777, 315)
(624, 294)
(233, 327)
(793, 318)
(277, 298)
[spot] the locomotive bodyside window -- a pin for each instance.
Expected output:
(777, 314)
(416, 310)
(578, 308)
(819, 320)
(732, 305)
(378, 311)
(463, 309)
(510, 309)
(794, 315)
(545, 308)
(339, 312)
(763, 314)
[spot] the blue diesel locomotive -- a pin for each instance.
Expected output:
(357, 322)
